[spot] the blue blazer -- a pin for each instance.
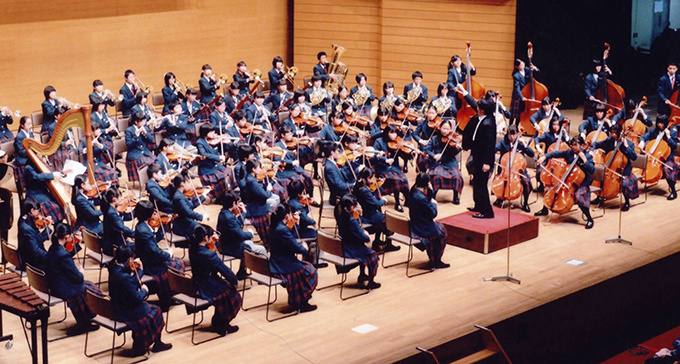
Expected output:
(504, 146)
(591, 124)
(195, 106)
(306, 222)
(94, 96)
(187, 218)
(243, 83)
(257, 117)
(591, 84)
(652, 133)
(232, 101)
(178, 132)
(165, 163)
(255, 197)
(49, 109)
(31, 243)
(218, 120)
(422, 99)
(353, 238)
(137, 145)
(453, 77)
(154, 259)
(145, 109)
(127, 299)
(274, 77)
(337, 183)
(435, 146)
(88, 216)
(283, 246)
(159, 195)
(206, 269)
(371, 205)
(240, 174)
(208, 88)
(211, 163)
(232, 236)
(20, 156)
(115, 231)
(63, 278)
(128, 100)
(422, 212)
(379, 163)
(519, 82)
(169, 95)
(36, 184)
(278, 99)
(321, 71)
(328, 134)
(104, 122)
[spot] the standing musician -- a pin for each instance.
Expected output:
(294, 160)
(519, 78)
(512, 139)
(627, 148)
(670, 169)
(321, 68)
(299, 277)
(318, 96)
(586, 164)
(137, 139)
(595, 122)
(88, 216)
(423, 97)
(556, 131)
(172, 92)
(256, 195)
(156, 261)
(445, 102)
(354, 238)
(367, 192)
(592, 83)
(338, 182)
(65, 281)
(233, 239)
(216, 283)
(233, 97)
(100, 95)
(457, 75)
(387, 168)
(243, 78)
(187, 219)
(103, 172)
(666, 86)
(211, 168)
(443, 169)
(207, 84)
(543, 112)
(129, 92)
(258, 113)
(129, 305)
(364, 93)
(115, 232)
(388, 98)
(628, 112)
(422, 212)
(34, 229)
(276, 73)
(20, 156)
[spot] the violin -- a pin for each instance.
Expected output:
(373, 186)
(249, 128)
(345, 128)
(370, 152)
(303, 141)
(533, 92)
(212, 243)
(268, 170)
(294, 221)
(190, 193)
(309, 120)
(72, 241)
(508, 184)
(276, 152)
(307, 201)
(408, 114)
(239, 209)
(453, 140)
(435, 123)
(99, 187)
(362, 121)
(406, 146)
(160, 218)
(167, 179)
(126, 203)
(42, 221)
(347, 155)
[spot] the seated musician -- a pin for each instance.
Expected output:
(101, 157)
(88, 216)
(276, 100)
(176, 126)
(300, 98)
(129, 92)
(244, 152)
(243, 78)
(629, 111)
(386, 166)
(519, 79)
(211, 168)
(20, 156)
(36, 188)
(354, 238)
(445, 103)
(107, 126)
(156, 261)
(216, 283)
(364, 93)
(627, 148)
(33, 230)
(189, 107)
(233, 239)
(294, 160)
(668, 84)
(542, 113)
(399, 111)
(99, 95)
(142, 106)
(593, 81)
(240, 129)
(300, 201)
(595, 122)
(172, 92)
(137, 138)
(207, 84)
(182, 205)
(276, 73)
(52, 107)
(321, 68)
(423, 97)
(353, 157)
(424, 133)
(585, 163)
(379, 123)
(388, 98)
(57, 160)
(443, 167)
(457, 74)
(65, 281)
(233, 98)
(298, 128)
(115, 233)
(660, 131)
(299, 277)
(367, 192)
(220, 118)
(556, 131)
(338, 182)
(511, 140)
(129, 305)
(318, 96)
(158, 195)
(165, 148)
(422, 212)
(270, 164)
(256, 195)
(258, 113)
(341, 97)
(352, 117)
(6, 119)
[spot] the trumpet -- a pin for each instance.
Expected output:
(146, 88)
(7, 112)
(69, 104)
(108, 94)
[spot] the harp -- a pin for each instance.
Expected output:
(35, 150)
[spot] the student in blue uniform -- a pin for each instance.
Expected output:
(6, 119)
(255, 195)
(52, 107)
(176, 125)
(87, 215)
(276, 73)
(243, 78)
(258, 113)
(31, 238)
(115, 233)
(367, 192)
(556, 132)
(129, 91)
(336, 180)
(137, 138)
(542, 113)
(457, 74)
(99, 95)
(36, 188)
(101, 157)
(321, 68)
(660, 131)
(593, 81)
(512, 140)
(107, 126)
(519, 78)
(172, 92)
(211, 169)
(20, 156)
(208, 84)
(666, 86)
(386, 166)
(629, 111)
(442, 151)
(317, 91)
(187, 219)
(445, 98)
(365, 108)
(595, 122)
(627, 148)
(417, 83)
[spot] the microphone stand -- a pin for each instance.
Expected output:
(619, 239)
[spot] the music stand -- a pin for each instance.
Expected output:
(619, 239)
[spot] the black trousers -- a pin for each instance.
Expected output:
(480, 191)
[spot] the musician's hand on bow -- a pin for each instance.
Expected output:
(422, 142)
(437, 157)
(641, 145)
(206, 218)
(592, 98)
(389, 161)
(667, 133)
(296, 163)
(486, 168)
(222, 158)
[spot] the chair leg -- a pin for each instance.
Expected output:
(342, 284)
(408, 263)
(269, 303)
(113, 345)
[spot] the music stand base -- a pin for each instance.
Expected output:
(507, 278)
(619, 240)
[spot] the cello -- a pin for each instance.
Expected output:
(657, 152)
(634, 128)
(611, 184)
(555, 166)
(598, 135)
(507, 184)
(609, 94)
(544, 124)
(560, 198)
(533, 92)
(475, 89)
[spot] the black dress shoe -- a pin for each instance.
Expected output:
(232, 328)
(473, 209)
(441, 265)
(391, 247)
(526, 208)
(589, 224)
(160, 346)
(543, 212)
(362, 278)
(482, 216)
(320, 265)
(399, 208)
(539, 189)
(625, 207)
(498, 203)
(373, 285)
(456, 200)
(306, 307)
(672, 196)
(377, 246)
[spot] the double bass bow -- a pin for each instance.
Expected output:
(609, 94)
(533, 92)
(475, 89)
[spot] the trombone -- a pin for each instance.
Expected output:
(182, 86)
(289, 74)
(146, 88)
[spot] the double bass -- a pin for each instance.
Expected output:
(674, 117)
(475, 89)
(609, 94)
(507, 184)
(533, 92)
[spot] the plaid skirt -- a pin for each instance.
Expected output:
(424, 162)
(134, 165)
(147, 329)
(444, 178)
(58, 159)
(371, 262)
(19, 178)
(582, 196)
(162, 284)
(50, 208)
(436, 244)
(220, 182)
(105, 156)
(226, 305)
(261, 225)
(672, 172)
(630, 186)
(300, 284)
(78, 304)
(191, 134)
(394, 182)
(104, 173)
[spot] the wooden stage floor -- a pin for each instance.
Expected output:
(422, 311)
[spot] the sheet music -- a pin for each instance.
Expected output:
(74, 168)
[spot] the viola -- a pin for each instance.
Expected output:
(190, 193)
(406, 146)
(160, 218)
(610, 94)
(476, 90)
(533, 92)
(508, 184)
(99, 187)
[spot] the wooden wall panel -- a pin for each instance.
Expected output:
(410, 35)
(70, 54)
